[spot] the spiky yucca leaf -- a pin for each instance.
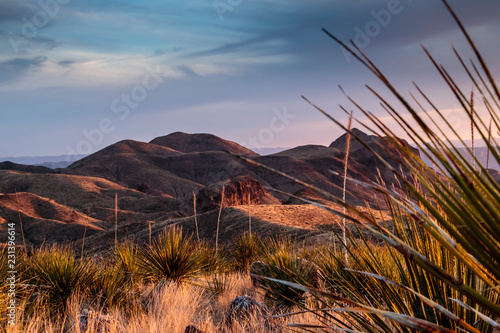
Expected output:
(124, 260)
(56, 275)
(110, 290)
(172, 257)
(447, 221)
(247, 248)
(281, 260)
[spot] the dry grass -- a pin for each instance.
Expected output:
(169, 310)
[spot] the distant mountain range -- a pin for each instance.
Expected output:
(53, 162)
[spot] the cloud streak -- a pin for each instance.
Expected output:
(264, 55)
(16, 68)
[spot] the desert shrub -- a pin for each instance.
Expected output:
(281, 261)
(446, 274)
(56, 275)
(124, 262)
(218, 284)
(172, 257)
(247, 248)
(110, 290)
(215, 261)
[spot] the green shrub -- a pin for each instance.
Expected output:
(56, 275)
(281, 261)
(172, 257)
(124, 263)
(247, 248)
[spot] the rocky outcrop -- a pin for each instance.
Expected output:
(240, 190)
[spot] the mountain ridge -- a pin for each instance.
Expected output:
(158, 181)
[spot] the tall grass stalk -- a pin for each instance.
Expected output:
(489, 144)
(195, 218)
(116, 219)
(149, 225)
(218, 220)
(346, 161)
(20, 221)
(249, 216)
(85, 230)
(472, 129)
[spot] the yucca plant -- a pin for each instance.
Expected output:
(214, 260)
(124, 263)
(281, 260)
(218, 284)
(336, 273)
(172, 257)
(55, 275)
(109, 289)
(246, 249)
(447, 221)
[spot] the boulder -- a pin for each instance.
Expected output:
(99, 323)
(242, 308)
(192, 329)
(257, 268)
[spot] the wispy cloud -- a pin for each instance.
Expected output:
(270, 51)
(16, 68)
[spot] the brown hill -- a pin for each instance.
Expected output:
(164, 171)
(42, 220)
(25, 168)
(189, 143)
(88, 194)
(371, 164)
(136, 165)
(317, 164)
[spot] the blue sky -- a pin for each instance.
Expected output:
(78, 75)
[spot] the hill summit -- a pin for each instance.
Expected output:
(189, 143)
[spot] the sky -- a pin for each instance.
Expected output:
(76, 76)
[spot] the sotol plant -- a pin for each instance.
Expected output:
(445, 248)
(247, 248)
(282, 261)
(172, 257)
(56, 275)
